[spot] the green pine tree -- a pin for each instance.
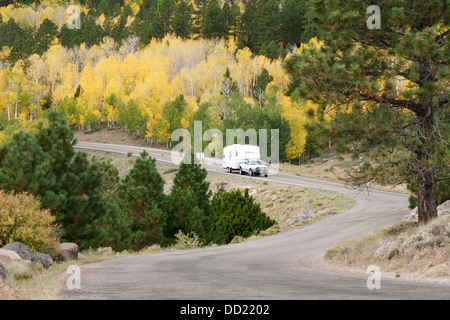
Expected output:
(141, 195)
(232, 14)
(293, 21)
(198, 15)
(238, 215)
(188, 205)
(182, 20)
(24, 165)
(47, 33)
(166, 11)
(397, 134)
(260, 23)
(62, 179)
(229, 86)
(215, 23)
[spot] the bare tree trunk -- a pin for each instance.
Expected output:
(426, 195)
(426, 176)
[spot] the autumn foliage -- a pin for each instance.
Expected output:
(22, 219)
(116, 75)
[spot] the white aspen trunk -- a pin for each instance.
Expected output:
(9, 111)
(15, 112)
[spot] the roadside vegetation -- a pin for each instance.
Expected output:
(405, 247)
(143, 206)
(289, 206)
(94, 207)
(311, 69)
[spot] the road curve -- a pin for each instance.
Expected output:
(284, 266)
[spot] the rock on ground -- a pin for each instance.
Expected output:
(387, 251)
(10, 259)
(25, 253)
(442, 209)
(22, 250)
(67, 251)
(45, 259)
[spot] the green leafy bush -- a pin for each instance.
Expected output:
(239, 215)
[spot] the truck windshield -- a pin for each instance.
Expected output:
(256, 163)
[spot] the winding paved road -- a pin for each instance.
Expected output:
(285, 266)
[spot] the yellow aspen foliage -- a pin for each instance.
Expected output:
(162, 130)
(22, 219)
(23, 117)
(111, 115)
(72, 120)
(149, 76)
(298, 114)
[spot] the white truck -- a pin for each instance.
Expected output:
(245, 159)
(254, 167)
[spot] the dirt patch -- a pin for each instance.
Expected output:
(333, 170)
(7, 293)
(112, 136)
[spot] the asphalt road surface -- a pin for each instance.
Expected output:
(285, 266)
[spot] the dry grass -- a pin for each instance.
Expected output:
(403, 247)
(290, 206)
(37, 283)
(332, 170)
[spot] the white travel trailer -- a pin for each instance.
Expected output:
(236, 155)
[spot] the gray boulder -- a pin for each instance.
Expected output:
(43, 258)
(387, 251)
(25, 253)
(22, 250)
